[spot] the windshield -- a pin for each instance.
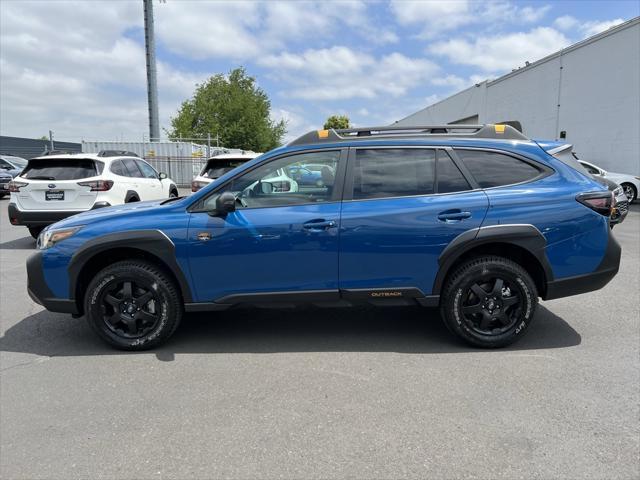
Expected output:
(60, 169)
(217, 168)
(16, 161)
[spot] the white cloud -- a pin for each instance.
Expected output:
(589, 29)
(502, 52)
(434, 17)
(565, 22)
(341, 73)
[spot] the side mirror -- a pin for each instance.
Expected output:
(265, 188)
(225, 204)
(162, 175)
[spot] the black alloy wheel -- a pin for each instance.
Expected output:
(129, 309)
(492, 305)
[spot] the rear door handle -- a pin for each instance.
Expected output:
(318, 225)
(453, 215)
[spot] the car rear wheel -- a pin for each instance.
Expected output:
(35, 231)
(133, 305)
(629, 191)
(489, 301)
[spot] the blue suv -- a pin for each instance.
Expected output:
(477, 220)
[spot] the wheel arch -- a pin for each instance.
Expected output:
(131, 196)
(523, 244)
(150, 245)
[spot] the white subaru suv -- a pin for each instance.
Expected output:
(54, 187)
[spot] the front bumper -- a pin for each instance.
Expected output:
(39, 290)
(43, 218)
(588, 282)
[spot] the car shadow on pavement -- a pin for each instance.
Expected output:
(401, 330)
(25, 243)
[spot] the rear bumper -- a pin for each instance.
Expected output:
(589, 282)
(39, 291)
(42, 218)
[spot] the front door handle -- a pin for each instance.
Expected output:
(318, 225)
(455, 215)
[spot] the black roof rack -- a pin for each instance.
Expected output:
(117, 153)
(490, 131)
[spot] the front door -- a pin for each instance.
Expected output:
(282, 238)
(397, 218)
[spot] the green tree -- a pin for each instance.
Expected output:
(44, 137)
(337, 121)
(234, 108)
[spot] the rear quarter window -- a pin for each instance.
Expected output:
(60, 169)
(492, 169)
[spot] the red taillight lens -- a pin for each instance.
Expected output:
(601, 202)
(16, 186)
(98, 185)
(196, 185)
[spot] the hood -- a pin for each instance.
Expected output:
(121, 212)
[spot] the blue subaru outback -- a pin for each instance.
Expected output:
(479, 221)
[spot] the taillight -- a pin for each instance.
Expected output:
(16, 186)
(601, 202)
(197, 185)
(98, 185)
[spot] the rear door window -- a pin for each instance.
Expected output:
(132, 168)
(492, 169)
(450, 178)
(393, 172)
(60, 169)
(118, 168)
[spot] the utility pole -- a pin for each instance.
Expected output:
(152, 80)
(51, 140)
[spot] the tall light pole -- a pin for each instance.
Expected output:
(152, 77)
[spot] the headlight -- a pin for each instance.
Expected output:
(49, 237)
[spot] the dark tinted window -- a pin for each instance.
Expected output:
(118, 168)
(132, 168)
(217, 168)
(147, 170)
(393, 172)
(450, 179)
(495, 169)
(60, 169)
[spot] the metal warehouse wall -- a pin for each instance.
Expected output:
(30, 147)
(591, 90)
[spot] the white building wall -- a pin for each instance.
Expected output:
(590, 90)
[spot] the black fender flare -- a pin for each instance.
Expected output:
(525, 236)
(130, 194)
(154, 242)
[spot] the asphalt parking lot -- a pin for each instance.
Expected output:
(322, 393)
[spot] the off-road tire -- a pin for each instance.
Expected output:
(144, 276)
(457, 293)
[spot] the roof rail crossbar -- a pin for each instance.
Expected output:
(117, 153)
(490, 131)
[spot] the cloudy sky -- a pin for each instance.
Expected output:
(78, 67)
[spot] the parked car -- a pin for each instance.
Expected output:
(476, 220)
(629, 183)
(218, 166)
(54, 187)
(12, 165)
(5, 179)
(564, 152)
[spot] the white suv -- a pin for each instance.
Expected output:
(54, 187)
(218, 166)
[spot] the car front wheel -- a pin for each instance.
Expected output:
(489, 301)
(133, 305)
(629, 191)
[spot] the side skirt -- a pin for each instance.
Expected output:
(321, 298)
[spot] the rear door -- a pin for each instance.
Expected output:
(136, 178)
(55, 184)
(402, 207)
